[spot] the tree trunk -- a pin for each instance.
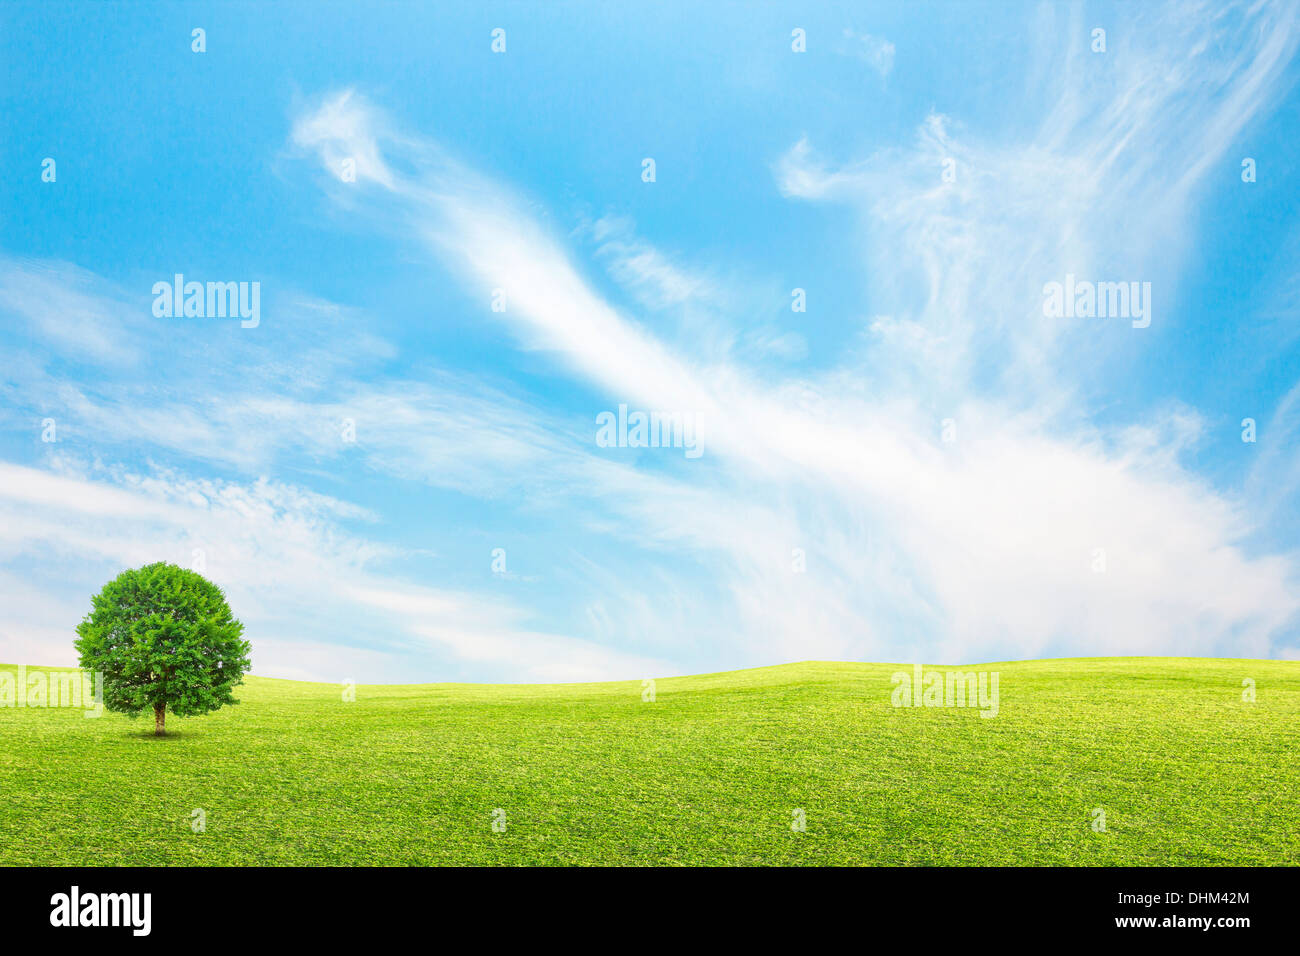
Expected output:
(159, 720)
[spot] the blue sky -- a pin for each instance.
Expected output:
(1090, 493)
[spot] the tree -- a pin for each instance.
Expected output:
(163, 637)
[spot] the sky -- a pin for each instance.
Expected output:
(819, 238)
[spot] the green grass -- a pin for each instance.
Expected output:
(1185, 770)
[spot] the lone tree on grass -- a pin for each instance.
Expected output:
(163, 637)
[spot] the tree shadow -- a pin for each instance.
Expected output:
(150, 735)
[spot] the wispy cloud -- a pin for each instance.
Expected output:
(876, 52)
(951, 484)
(1035, 532)
(69, 307)
(314, 595)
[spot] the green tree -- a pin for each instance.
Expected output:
(163, 637)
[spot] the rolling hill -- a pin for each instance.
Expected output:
(717, 769)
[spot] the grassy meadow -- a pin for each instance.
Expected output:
(710, 772)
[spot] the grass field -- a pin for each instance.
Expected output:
(711, 772)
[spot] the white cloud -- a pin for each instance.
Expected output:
(311, 595)
(876, 52)
(979, 549)
(69, 307)
(653, 277)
